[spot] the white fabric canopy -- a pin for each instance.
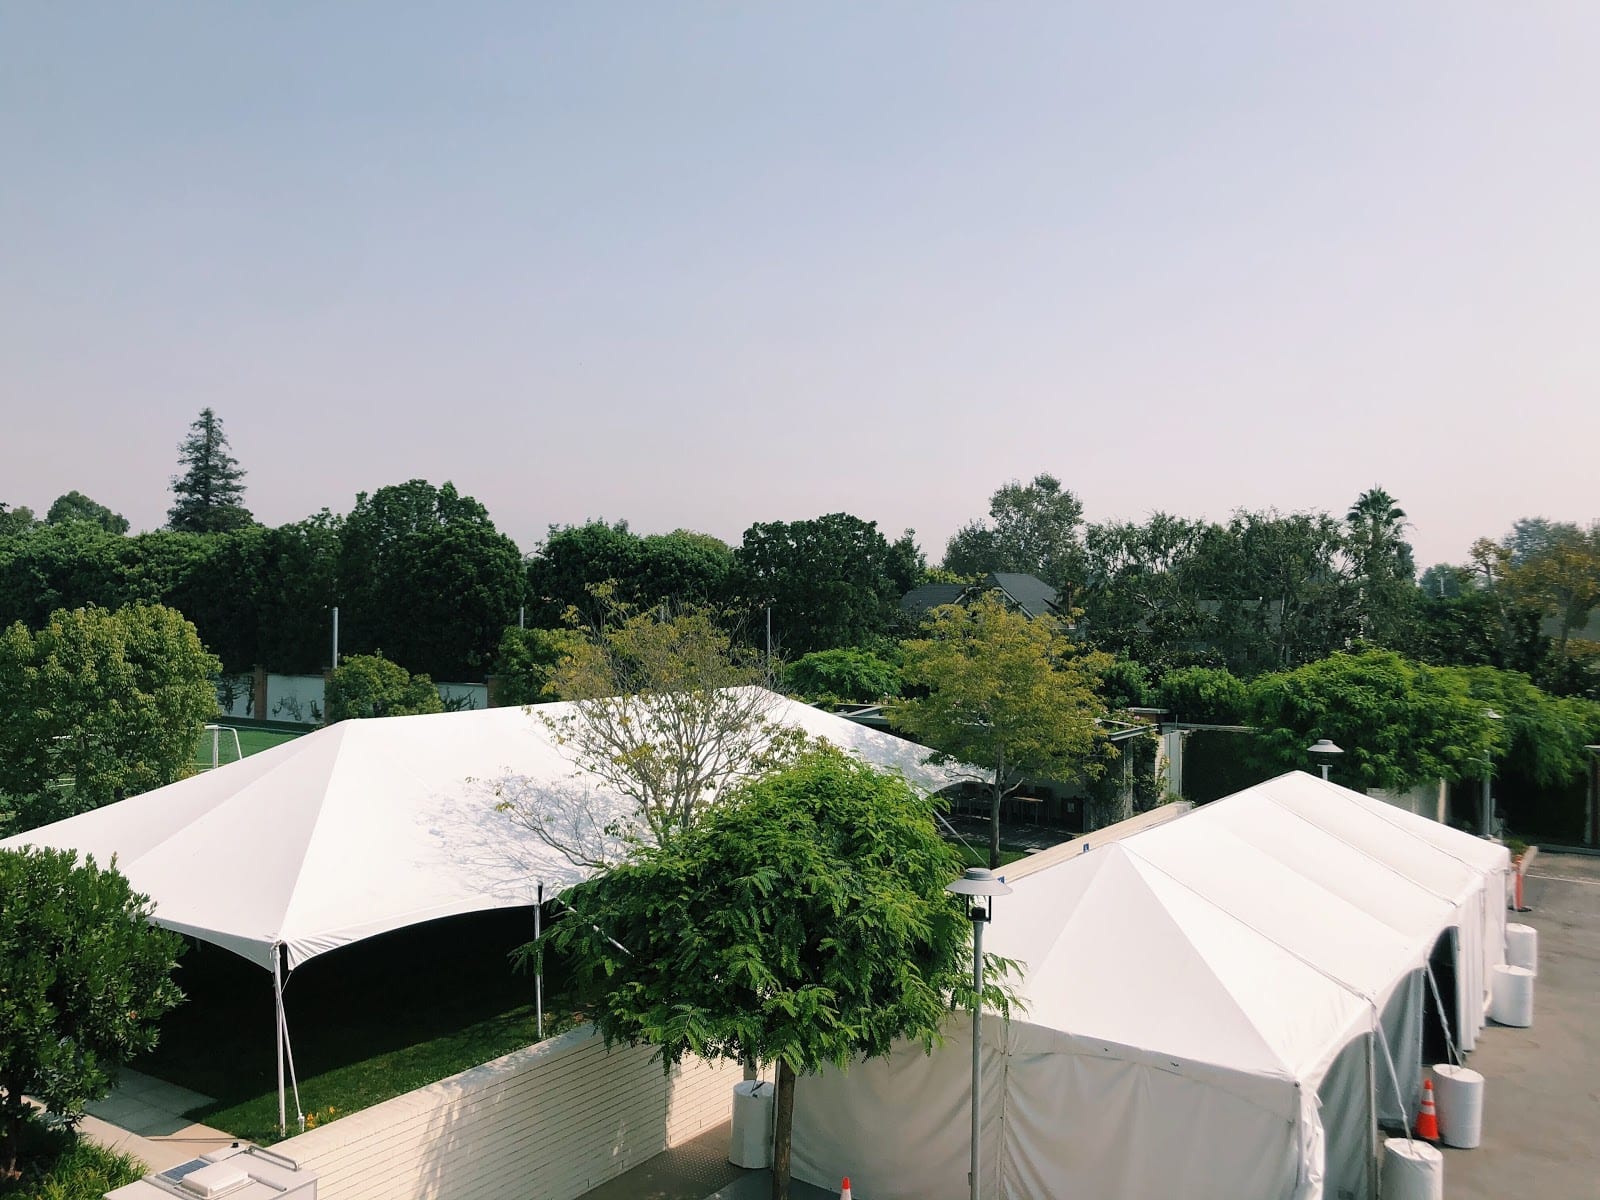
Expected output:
(372, 825)
(1202, 1010)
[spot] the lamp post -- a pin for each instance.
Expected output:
(1486, 815)
(978, 884)
(1325, 750)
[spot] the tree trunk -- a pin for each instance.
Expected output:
(782, 1128)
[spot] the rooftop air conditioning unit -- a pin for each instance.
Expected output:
(234, 1173)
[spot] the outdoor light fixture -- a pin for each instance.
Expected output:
(1325, 748)
(1486, 816)
(980, 886)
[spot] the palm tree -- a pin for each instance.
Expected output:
(1382, 555)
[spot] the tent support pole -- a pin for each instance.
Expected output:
(538, 975)
(285, 1050)
(277, 1016)
(1444, 1017)
(1374, 1162)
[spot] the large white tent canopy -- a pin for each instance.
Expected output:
(369, 826)
(1211, 1007)
(373, 825)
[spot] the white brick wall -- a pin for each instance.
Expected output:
(546, 1123)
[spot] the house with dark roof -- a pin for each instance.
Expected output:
(1028, 594)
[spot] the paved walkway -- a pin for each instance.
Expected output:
(699, 1170)
(1541, 1118)
(144, 1117)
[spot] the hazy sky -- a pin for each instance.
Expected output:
(707, 264)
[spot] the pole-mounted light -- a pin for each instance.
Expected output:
(980, 886)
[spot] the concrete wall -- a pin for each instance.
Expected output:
(549, 1122)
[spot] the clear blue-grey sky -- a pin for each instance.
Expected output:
(707, 264)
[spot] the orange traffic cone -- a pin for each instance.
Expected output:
(844, 1189)
(1428, 1118)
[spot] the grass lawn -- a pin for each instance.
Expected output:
(251, 741)
(369, 1021)
(978, 856)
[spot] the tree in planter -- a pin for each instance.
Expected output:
(1006, 693)
(98, 705)
(84, 981)
(369, 685)
(802, 924)
(668, 712)
(209, 495)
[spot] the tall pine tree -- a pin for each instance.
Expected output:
(209, 493)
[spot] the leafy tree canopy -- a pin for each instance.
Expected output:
(369, 685)
(98, 705)
(526, 662)
(85, 979)
(1033, 528)
(75, 506)
(803, 923)
(15, 520)
(426, 576)
(839, 676)
(1010, 695)
(1398, 723)
(1203, 695)
(208, 494)
(668, 712)
(830, 582)
(681, 567)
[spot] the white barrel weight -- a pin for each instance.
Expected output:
(1411, 1171)
(1511, 996)
(1458, 1094)
(1522, 947)
(752, 1124)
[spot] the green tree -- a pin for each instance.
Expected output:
(1033, 528)
(525, 663)
(75, 506)
(296, 587)
(1278, 589)
(425, 576)
(1142, 596)
(682, 567)
(830, 582)
(209, 493)
(1005, 693)
(1384, 566)
(1203, 695)
(99, 705)
(801, 925)
(667, 712)
(85, 979)
(1398, 723)
(60, 566)
(838, 676)
(15, 520)
(369, 685)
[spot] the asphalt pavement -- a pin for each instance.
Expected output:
(1541, 1122)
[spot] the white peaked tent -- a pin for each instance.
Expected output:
(1223, 1005)
(1388, 862)
(370, 826)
